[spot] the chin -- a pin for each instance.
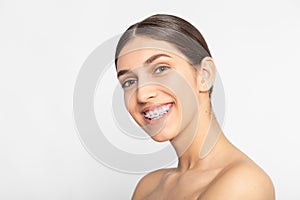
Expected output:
(162, 137)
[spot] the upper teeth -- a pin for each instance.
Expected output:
(157, 112)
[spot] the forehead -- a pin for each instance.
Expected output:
(139, 49)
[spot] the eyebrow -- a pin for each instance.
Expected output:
(147, 62)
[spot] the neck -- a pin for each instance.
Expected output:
(195, 143)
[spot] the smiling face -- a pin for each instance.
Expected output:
(160, 87)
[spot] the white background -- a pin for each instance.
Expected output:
(44, 43)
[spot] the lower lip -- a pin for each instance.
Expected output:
(149, 121)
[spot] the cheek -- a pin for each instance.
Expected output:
(185, 93)
(129, 101)
(182, 87)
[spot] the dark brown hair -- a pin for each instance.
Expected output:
(174, 30)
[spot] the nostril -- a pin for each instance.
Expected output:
(145, 93)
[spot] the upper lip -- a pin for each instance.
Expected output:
(152, 107)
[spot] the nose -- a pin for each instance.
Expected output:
(146, 93)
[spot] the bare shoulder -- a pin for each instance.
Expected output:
(242, 180)
(148, 183)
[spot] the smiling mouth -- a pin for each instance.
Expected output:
(157, 112)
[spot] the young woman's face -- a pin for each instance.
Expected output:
(160, 87)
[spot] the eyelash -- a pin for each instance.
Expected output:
(164, 67)
(131, 82)
(161, 69)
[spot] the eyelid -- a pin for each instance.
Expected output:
(125, 77)
(160, 65)
(125, 81)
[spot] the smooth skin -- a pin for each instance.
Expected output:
(225, 172)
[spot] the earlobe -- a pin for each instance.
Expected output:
(206, 74)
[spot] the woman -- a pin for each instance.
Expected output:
(167, 74)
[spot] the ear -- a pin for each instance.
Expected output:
(206, 74)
